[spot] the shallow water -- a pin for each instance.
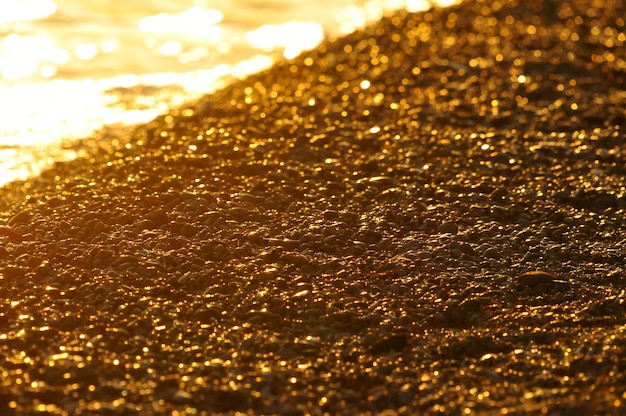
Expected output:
(68, 67)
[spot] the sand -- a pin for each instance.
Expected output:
(423, 217)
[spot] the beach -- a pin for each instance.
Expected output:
(425, 216)
(69, 68)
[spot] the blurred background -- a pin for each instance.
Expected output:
(69, 67)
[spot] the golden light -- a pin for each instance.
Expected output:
(417, 5)
(446, 3)
(39, 109)
(109, 46)
(197, 22)
(353, 17)
(21, 55)
(72, 109)
(293, 36)
(86, 51)
(171, 48)
(48, 71)
(25, 10)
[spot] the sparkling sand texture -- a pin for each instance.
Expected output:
(424, 217)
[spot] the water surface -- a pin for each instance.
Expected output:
(68, 67)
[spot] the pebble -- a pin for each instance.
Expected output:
(448, 228)
(378, 182)
(13, 272)
(357, 248)
(536, 277)
(12, 235)
(159, 217)
(180, 397)
(499, 194)
(21, 217)
(303, 294)
(492, 253)
(238, 213)
(394, 342)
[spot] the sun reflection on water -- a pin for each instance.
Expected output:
(62, 77)
(195, 22)
(25, 10)
(22, 56)
(293, 37)
(72, 109)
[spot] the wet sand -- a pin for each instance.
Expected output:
(350, 232)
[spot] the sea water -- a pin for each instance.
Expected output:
(70, 67)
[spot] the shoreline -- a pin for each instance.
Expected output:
(118, 102)
(348, 232)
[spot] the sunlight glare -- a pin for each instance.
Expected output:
(109, 46)
(293, 36)
(446, 3)
(16, 67)
(353, 17)
(48, 71)
(171, 48)
(413, 6)
(71, 109)
(86, 51)
(196, 22)
(39, 110)
(252, 65)
(20, 55)
(25, 10)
